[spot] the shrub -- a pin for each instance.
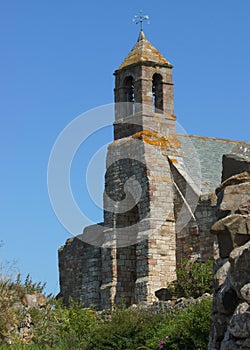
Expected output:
(8, 315)
(193, 279)
(127, 329)
(77, 323)
(187, 329)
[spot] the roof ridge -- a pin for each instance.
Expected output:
(212, 138)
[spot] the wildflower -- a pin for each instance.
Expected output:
(161, 342)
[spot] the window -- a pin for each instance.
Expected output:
(128, 95)
(157, 93)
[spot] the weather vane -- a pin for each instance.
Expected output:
(140, 19)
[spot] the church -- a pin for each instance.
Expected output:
(159, 198)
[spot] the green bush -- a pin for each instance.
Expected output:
(75, 328)
(77, 323)
(8, 315)
(193, 279)
(127, 329)
(187, 329)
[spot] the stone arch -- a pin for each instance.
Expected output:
(128, 94)
(157, 93)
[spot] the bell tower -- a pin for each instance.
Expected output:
(138, 180)
(144, 93)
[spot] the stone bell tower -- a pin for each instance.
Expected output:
(144, 82)
(142, 225)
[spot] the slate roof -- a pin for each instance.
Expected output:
(203, 155)
(144, 51)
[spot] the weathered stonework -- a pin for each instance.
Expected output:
(231, 307)
(159, 204)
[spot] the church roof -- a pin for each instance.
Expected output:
(209, 152)
(142, 52)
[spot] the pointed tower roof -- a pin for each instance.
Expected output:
(142, 52)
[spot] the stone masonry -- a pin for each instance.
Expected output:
(231, 307)
(159, 202)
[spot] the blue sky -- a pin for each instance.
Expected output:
(56, 62)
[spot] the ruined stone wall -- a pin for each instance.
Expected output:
(230, 328)
(80, 272)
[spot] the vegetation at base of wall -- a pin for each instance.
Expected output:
(186, 329)
(193, 279)
(74, 327)
(126, 329)
(139, 329)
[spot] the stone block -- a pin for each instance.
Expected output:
(233, 199)
(234, 164)
(245, 292)
(232, 231)
(234, 180)
(221, 275)
(239, 323)
(240, 267)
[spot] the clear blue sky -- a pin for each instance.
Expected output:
(56, 62)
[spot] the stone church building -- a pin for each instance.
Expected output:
(159, 202)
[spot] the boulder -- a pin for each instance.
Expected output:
(239, 323)
(226, 300)
(234, 180)
(218, 329)
(221, 275)
(240, 267)
(232, 231)
(34, 300)
(163, 294)
(232, 198)
(230, 329)
(25, 329)
(228, 343)
(243, 344)
(234, 164)
(244, 207)
(245, 292)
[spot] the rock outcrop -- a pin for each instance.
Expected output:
(22, 328)
(230, 328)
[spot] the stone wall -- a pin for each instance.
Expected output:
(80, 272)
(194, 241)
(195, 215)
(230, 328)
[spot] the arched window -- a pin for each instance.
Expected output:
(157, 93)
(129, 95)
